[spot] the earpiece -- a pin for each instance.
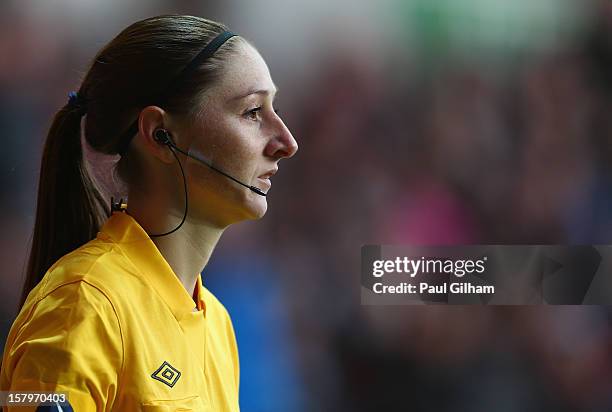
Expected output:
(161, 136)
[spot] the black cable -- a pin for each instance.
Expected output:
(186, 196)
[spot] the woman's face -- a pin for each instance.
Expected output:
(239, 133)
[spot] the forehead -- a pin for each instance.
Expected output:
(245, 70)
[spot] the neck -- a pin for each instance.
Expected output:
(187, 250)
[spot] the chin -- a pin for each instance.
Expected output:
(251, 209)
(258, 208)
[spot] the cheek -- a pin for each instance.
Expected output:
(232, 147)
(242, 159)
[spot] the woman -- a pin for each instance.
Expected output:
(123, 322)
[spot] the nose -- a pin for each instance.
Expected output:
(282, 145)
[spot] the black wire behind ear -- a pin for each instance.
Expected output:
(162, 136)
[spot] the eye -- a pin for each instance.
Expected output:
(253, 114)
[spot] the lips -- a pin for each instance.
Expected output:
(268, 174)
(265, 183)
(265, 179)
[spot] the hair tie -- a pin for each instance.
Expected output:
(76, 101)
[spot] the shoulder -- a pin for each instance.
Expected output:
(69, 310)
(73, 324)
(81, 288)
(69, 340)
(96, 270)
(94, 261)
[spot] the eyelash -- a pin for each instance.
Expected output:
(257, 109)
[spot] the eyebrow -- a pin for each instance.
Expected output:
(255, 91)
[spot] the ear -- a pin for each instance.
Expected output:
(152, 118)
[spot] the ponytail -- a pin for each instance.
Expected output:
(69, 208)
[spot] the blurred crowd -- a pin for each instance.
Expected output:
(397, 148)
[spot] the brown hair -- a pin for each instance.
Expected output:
(126, 75)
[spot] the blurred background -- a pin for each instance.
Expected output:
(419, 121)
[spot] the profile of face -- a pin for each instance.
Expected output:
(239, 132)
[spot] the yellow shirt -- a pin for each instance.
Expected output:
(111, 324)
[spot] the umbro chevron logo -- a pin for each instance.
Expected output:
(167, 374)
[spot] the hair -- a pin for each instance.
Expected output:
(128, 74)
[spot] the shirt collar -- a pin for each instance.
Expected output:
(123, 230)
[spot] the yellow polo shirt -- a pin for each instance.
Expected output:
(111, 324)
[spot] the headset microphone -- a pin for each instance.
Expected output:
(163, 137)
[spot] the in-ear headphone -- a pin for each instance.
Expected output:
(162, 136)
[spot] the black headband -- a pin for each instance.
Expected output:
(191, 67)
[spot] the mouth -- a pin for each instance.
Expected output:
(265, 183)
(265, 179)
(268, 174)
